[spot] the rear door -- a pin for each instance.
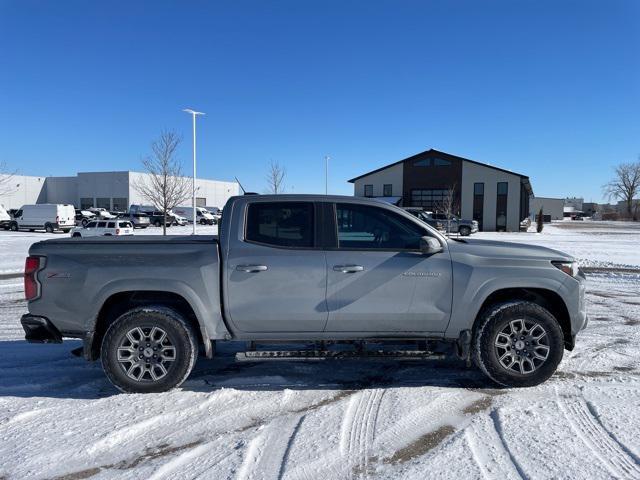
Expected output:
(276, 271)
(379, 281)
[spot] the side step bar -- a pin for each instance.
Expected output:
(258, 355)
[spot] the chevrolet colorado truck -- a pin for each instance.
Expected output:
(328, 271)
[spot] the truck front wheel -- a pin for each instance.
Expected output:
(518, 344)
(149, 349)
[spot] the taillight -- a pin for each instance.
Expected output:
(117, 231)
(31, 285)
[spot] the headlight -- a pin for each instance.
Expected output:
(570, 268)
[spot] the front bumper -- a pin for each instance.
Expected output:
(39, 330)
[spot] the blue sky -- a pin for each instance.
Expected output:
(550, 89)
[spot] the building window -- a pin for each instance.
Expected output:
(368, 190)
(432, 162)
(86, 203)
(103, 203)
(428, 199)
(201, 202)
(387, 190)
(501, 206)
(440, 162)
(119, 204)
(478, 203)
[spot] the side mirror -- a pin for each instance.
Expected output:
(429, 245)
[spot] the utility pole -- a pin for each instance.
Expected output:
(193, 116)
(326, 174)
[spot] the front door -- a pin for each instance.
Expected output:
(378, 281)
(277, 276)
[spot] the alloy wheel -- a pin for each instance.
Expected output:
(146, 354)
(522, 346)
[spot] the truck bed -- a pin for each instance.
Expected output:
(85, 275)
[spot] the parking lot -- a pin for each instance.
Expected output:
(60, 418)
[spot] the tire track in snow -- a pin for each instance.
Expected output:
(172, 467)
(489, 451)
(497, 425)
(612, 454)
(268, 451)
(358, 430)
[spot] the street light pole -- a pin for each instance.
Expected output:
(326, 174)
(193, 117)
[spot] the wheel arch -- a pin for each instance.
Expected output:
(547, 299)
(121, 302)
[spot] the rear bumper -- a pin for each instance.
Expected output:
(39, 330)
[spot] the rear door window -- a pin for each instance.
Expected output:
(111, 225)
(102, 224)
(282, 224)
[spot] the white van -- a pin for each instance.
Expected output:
(5, 218)
(47, 216)
(202, 215)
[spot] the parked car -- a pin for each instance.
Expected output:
(44, 216)
(108, 228)
(102, 213)
(455, 225)
(156, 217)
(305, 268)
(425, 217)
(203, 217)
(84, 216)
(138, 220)
(179, 220)
(5, 218)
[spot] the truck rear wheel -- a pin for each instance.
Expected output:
(465, 231)
(518, 344)
(149, 349)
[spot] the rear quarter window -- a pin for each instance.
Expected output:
(282, 224)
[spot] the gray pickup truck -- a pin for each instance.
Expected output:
(336, 272)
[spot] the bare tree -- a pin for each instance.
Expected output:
(275, 178)
(6, 177)
(625, 186)
(164, 185)
(448, 205)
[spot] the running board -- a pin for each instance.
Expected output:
(255, 355)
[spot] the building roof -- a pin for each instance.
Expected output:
(525, 178)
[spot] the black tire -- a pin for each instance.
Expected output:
(13, 226)
(494, 321)
(84, 222)
(465, 231)
(48, 228)
(76, 235)
(157, 223)
(178, 332)
(203, 221)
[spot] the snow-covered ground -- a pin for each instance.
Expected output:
(60, 418)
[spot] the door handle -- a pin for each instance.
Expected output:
(251, 268)
(348, 268)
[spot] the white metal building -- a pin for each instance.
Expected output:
(552, 208)
(110, 190)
